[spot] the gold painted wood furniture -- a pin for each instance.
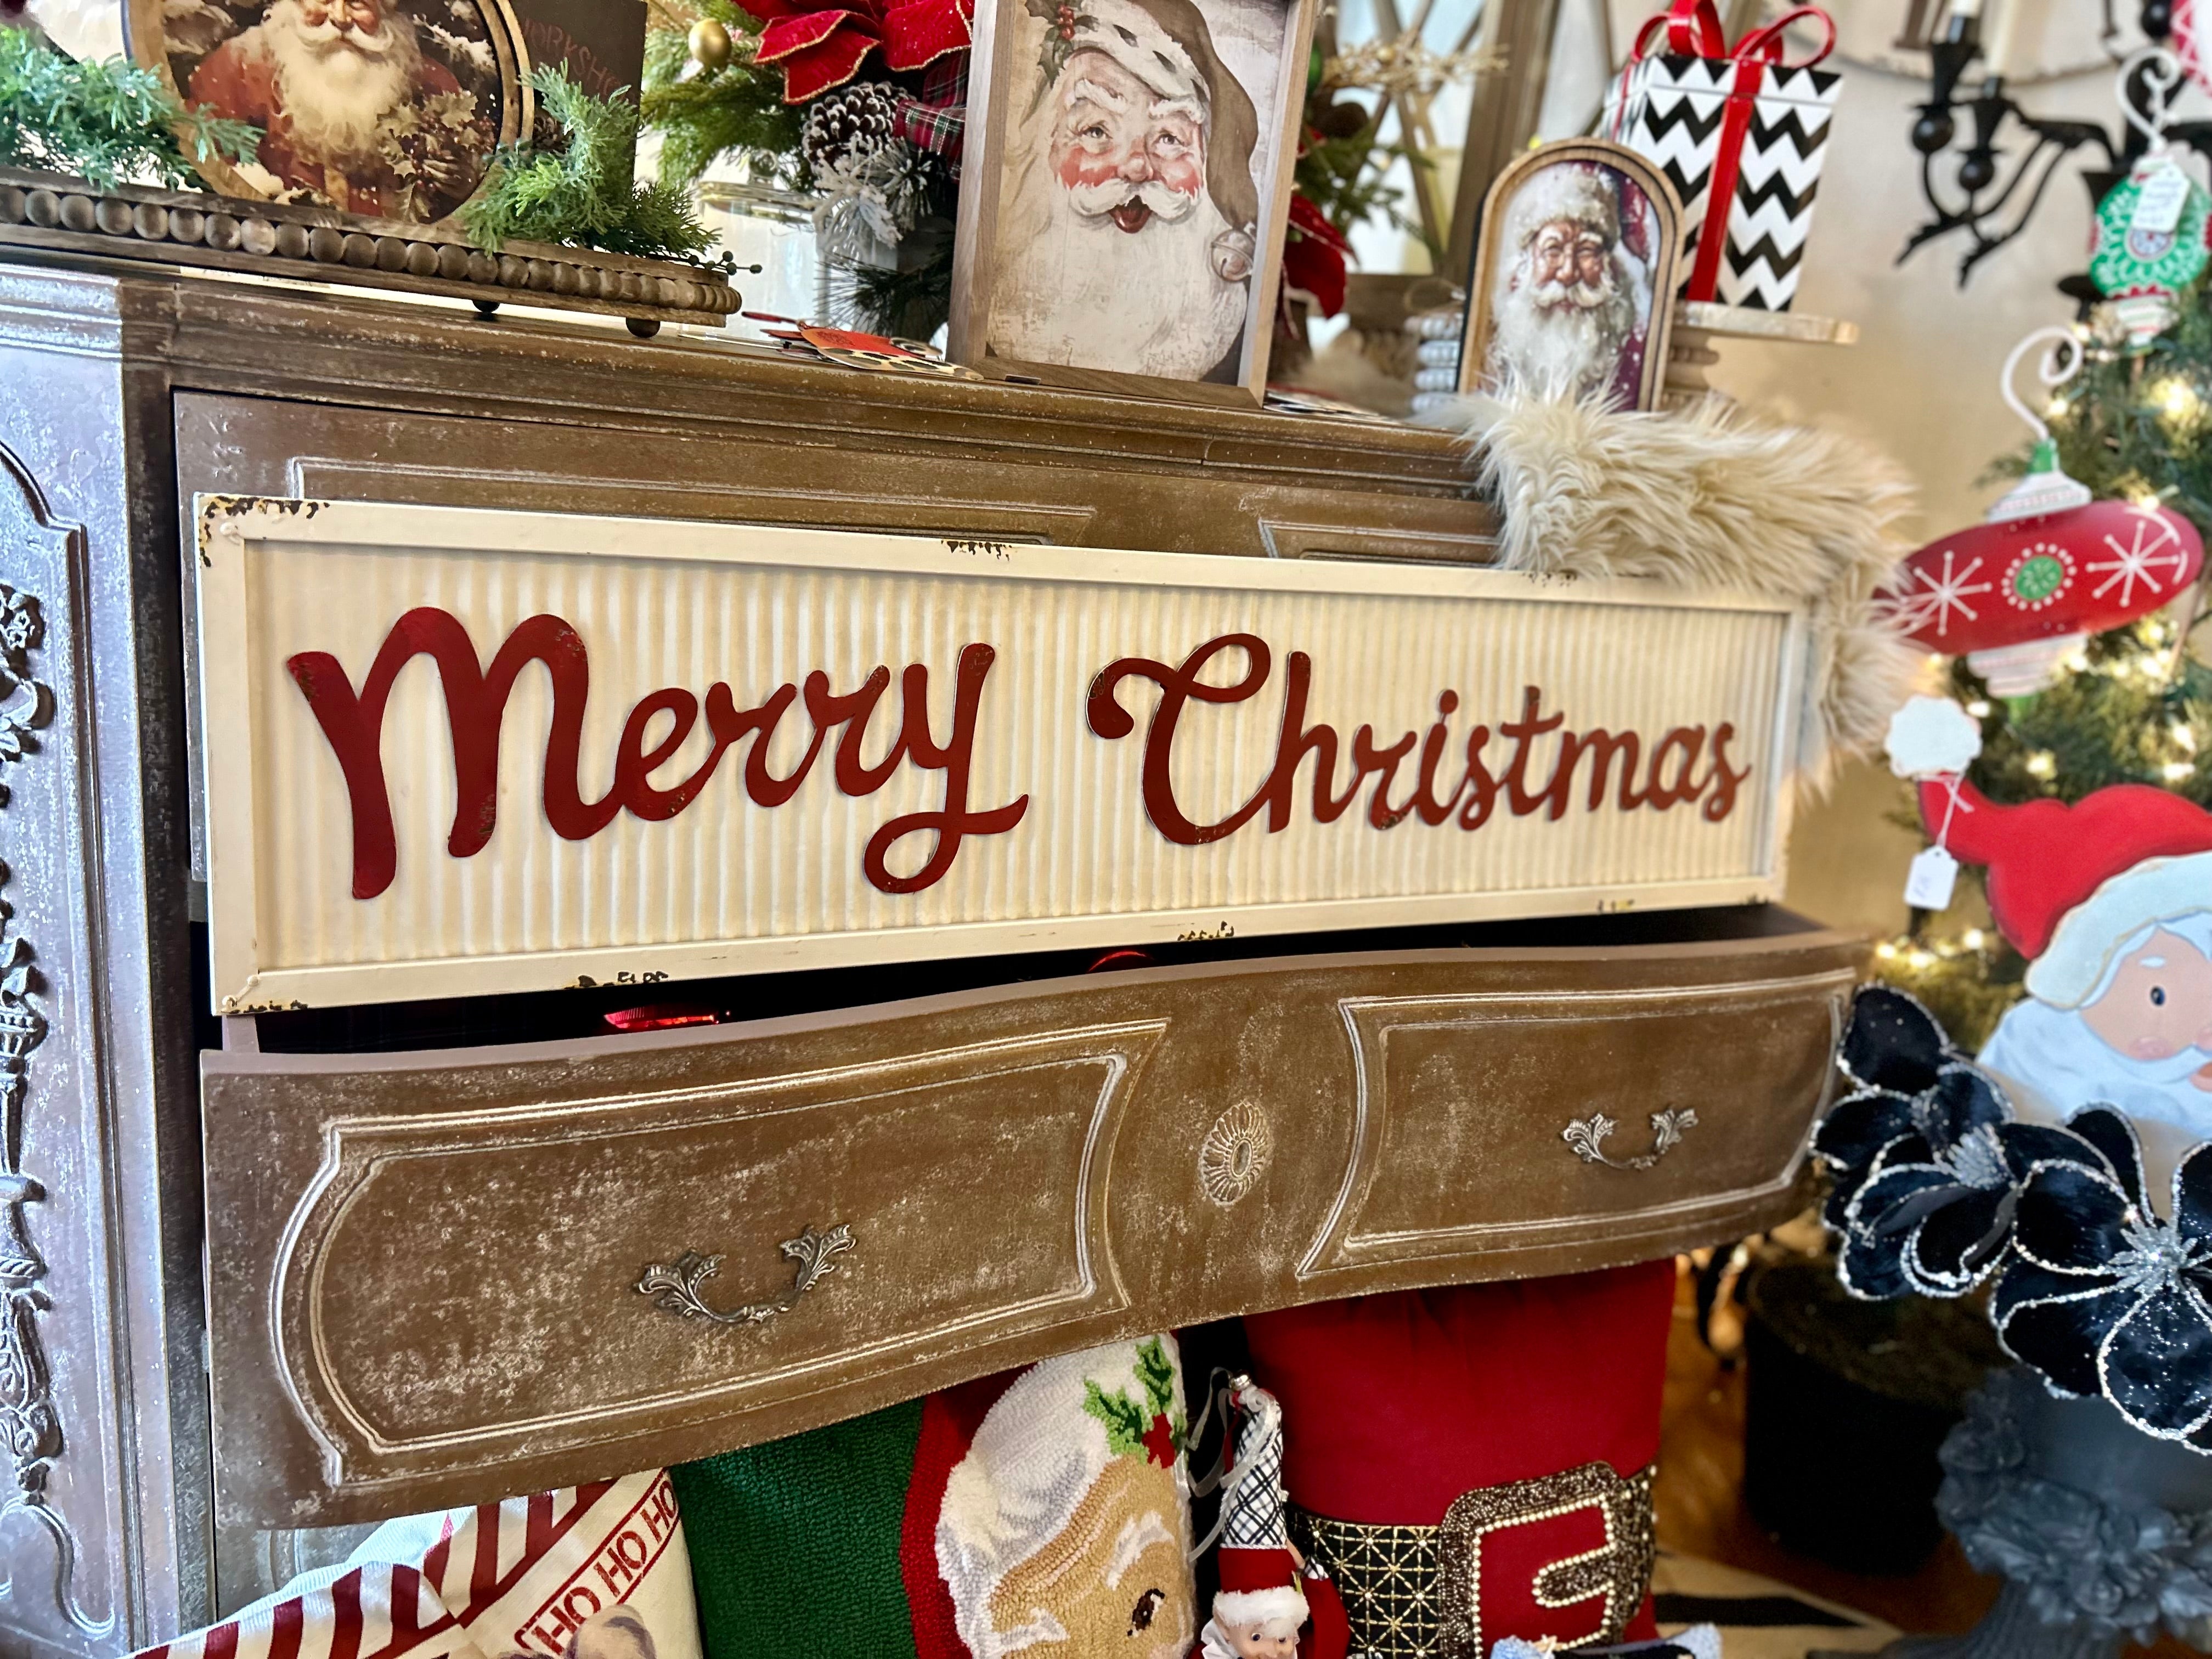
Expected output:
(424, 1230)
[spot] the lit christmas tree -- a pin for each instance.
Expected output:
(2130, 706)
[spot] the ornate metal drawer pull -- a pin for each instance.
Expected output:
(1587, 1135)
(675, 1285)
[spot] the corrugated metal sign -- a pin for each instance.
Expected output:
(452, 751)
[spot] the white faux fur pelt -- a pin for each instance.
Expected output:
(1714, 497)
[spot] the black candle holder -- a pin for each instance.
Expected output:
(1991, 194)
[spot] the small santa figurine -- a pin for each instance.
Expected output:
(2111, 901)
(1267, 1593)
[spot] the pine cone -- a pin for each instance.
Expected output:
(852, 120)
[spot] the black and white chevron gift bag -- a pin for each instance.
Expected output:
(1673, 110)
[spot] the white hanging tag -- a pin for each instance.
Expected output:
(2165, 193)
(1934, 874)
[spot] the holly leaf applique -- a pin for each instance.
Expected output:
(1127, 1422)
(1156, 1373)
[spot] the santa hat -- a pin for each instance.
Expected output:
(1259, 1579)
(2070, 885)
(1571, 190)
(1477, 1458)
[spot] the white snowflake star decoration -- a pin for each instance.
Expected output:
(1938, 596)
(2152, 545)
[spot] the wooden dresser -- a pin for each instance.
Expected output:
(299, 1269)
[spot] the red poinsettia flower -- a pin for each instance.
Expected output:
(1314, 256)
(1160, 1442)
(818, 48)
(815, 49)
(919, 33)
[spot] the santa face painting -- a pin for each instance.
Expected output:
(1570, 289)
(1127, 235)
(357, 112)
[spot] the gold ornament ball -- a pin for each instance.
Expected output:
(710, 44)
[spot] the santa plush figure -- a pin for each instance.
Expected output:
(2111, 901)
(1269, 1591)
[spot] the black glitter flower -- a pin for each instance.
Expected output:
(1923, 1157)
(1893, 1053)
(2104, 1297)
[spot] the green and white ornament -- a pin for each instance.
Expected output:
(2150, 242)
(2152, 226)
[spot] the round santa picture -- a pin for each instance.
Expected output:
(386, 108)
(1577, 240)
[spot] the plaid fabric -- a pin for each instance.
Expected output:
(938, 119)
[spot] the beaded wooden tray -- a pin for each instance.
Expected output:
(271, 239)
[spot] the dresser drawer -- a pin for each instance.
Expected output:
(437, 1276)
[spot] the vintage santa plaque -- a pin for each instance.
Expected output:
(451, 750)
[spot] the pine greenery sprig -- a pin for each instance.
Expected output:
(584, 194)
(1346, 179)
(736, 108)
(108, 124)
(910, 305)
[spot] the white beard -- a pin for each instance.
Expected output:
(1561, 350)
(2052, 1064)
(1077, 289)
(333, 94)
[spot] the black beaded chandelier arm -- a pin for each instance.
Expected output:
(1991, 202)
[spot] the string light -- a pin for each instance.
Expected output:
(1978, 709)
(2042, 765)
(2177, 771)
(2178, 398)
(1974, 938)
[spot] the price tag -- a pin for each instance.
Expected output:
(1934, 874)
(2165, 193)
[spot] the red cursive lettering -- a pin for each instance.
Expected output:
(476, 707)
(1672, 776)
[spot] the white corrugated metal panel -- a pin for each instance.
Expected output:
(729, 885)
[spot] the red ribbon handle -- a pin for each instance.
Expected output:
(1693, 30)
(1766, 44)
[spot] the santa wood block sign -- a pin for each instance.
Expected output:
(452, 751)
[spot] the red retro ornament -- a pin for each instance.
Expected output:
(2049, 567)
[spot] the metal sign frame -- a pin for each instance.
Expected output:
(301, 605)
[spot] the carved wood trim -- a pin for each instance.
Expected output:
(31, 1429)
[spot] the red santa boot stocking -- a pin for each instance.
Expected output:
(1474, 1463)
